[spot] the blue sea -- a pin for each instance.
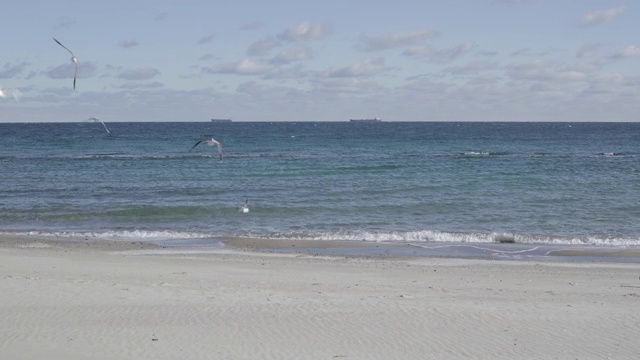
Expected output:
(422, 183)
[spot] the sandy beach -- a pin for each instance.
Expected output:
(120, 300)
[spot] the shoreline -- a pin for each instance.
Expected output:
(461, 251)
(347, 248)
(104, 300)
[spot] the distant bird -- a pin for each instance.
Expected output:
(244, 208)
(10, 92)
(74, 60)
(211, 142)
(100, 121)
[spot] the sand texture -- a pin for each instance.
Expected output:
(86, 300)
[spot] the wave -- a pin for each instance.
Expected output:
(115, 235)
(96, 156)
(481, 153)
(303, 155)
(157, 156)
(617, 154)
(410, 237)
(474, 154)
(429, 236)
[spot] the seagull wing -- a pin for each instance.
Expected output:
(75, 73)
(66, 48)
(74, 60)
(105, 127)
(198, 143)
(219, 149)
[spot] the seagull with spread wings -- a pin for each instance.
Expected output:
(211, 142)
(74, 60)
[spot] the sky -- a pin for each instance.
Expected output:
(330, 60)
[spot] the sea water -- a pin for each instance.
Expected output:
(411, 182)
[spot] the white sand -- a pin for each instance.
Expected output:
(85, 301)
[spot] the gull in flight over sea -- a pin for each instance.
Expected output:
(103, 124)
(10, 92)
(211, 142)
(74, 60)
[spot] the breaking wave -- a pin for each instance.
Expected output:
(415, 237)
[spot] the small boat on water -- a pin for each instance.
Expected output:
(220, 120)
(375, 119)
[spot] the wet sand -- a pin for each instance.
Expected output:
(494, 251)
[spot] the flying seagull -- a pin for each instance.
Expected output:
(211, 142)
(103, 124)
(74, 60)
(10, 92)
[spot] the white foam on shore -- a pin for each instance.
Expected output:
(424, 236)
(125, 235)
(428, 236)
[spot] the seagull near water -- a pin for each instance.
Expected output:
(244, 208)
(210, 142)
(74, 60)
(95, 119)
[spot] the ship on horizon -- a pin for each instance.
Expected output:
(375, 119)
(220, 120)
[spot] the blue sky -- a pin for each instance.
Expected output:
(286, 60)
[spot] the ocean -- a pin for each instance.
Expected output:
(422, 183)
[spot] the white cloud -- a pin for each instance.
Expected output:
(439, 55)
(627, 52)
(472, 68)
(394, 40)
(305, 31)
(588, 50)
(291, 55)
(151, 85)
(246, 66)
(344, 87)
(522, 52)
(254, 88)
(528, 52)
(12, 70)
(630, 51)
(262, 47)
(138, 74)
(544, 71)
(65, 71)
(600, 16)
(365, 68)
(604, 84)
